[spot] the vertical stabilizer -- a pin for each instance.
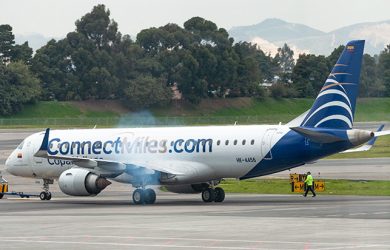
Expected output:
(334, 106)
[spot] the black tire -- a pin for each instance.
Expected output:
(138, 196)
(48, 197)
(150, 196)
(1, 196)
(219, 194)
(43, 196)
(208, 195)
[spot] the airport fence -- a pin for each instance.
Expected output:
(130, 121)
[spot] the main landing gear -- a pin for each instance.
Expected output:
(45, 194)
(213, 194)
(144, 196)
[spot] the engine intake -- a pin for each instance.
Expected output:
(81, 182)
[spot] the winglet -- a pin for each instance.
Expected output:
(42, 152)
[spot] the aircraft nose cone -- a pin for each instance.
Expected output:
(9, 166)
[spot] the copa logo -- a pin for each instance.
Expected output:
(58, 162)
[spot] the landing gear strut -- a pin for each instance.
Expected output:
(144, 196)
(45, 194)
(213, 194)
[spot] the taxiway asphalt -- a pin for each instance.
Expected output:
(185, 222)
(110, 220)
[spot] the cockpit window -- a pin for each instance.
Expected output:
(21, 145)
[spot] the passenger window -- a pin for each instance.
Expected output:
(218, 142)
(252, 142)
(243, 142)
(227, 142)
(235, 142)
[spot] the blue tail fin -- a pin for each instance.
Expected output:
(335, 104)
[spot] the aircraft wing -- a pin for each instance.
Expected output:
(370, 143)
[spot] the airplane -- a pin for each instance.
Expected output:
(196, 159)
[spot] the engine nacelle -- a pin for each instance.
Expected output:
(358, 136)
(81, 182)
(187, 189)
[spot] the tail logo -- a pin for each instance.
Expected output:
(339, 103)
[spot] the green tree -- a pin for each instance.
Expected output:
(249, 71)
(98, 27)
(370, 85)
(90, 63)
(145, 91)
(309, 74)
(18, 86)
(7, 41)
(285, 59)
(334, 56)
(22, 53)
(384, 69)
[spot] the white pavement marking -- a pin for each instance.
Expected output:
(352, 247)
(37, 240)
(265, 210)
(381, 213)
(125, 244)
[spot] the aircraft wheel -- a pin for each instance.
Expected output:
(219, 194)
(138, 196)
(208, 195)
(48, 197)
(150, 196)
(43, 196)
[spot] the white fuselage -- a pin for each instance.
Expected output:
(227, 151)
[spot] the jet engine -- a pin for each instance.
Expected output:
(81, 182)
(187, 189)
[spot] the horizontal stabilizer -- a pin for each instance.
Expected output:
(318, 135)
(381, 133)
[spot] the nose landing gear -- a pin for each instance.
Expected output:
(45, 194)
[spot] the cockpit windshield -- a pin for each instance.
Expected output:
(21, 145)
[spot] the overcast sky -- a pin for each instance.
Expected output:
(56, 18)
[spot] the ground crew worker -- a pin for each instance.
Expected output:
(309, 184)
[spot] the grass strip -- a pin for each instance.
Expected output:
(283, 186)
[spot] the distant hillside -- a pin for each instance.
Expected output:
(273, 33)
(274, 30)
